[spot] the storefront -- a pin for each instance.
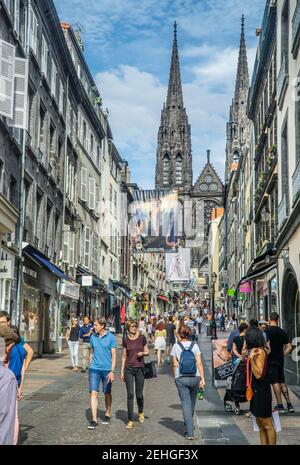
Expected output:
(38, 318)
(69, 297)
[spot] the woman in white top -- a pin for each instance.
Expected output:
(188, 386)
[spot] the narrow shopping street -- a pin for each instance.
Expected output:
(56, 410)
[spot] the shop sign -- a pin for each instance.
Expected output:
(70, 289)
(6, 269)
(231, 292)
(30, 272)
(246, 287)
(87, 281)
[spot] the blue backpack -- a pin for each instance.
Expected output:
(187, 364)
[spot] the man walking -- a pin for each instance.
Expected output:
(85, 334)
(280, 347)
(103, 360)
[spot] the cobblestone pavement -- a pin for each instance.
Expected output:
(56, 410)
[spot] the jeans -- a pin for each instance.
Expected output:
(188, 389)
(73, 348)
(86, 349)
(199, 327)
(133, 374)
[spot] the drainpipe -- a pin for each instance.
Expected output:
(19, 306)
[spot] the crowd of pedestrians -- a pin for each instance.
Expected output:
(174, 338)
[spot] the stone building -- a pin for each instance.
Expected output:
(288, 144)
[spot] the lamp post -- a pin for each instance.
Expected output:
(213, 322)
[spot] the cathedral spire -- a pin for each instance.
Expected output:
(242, 77)
(174, 89)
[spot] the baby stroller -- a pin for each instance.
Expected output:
(236, 390)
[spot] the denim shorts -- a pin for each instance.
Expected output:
(96, 377)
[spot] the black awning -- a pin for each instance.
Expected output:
(44, 261)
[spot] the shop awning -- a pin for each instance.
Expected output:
(259, 272)
(123, 288)
(42, 260)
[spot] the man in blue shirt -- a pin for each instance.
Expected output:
(103, 361)
(86, 331)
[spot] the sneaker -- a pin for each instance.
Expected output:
(129, 425)
(279, 408)
(106, 420)
(290, 408)
(83, 370)
(93, 425)
(190, 438)
(142, 417)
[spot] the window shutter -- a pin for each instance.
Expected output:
(44, 56)
(97, 208)
(19, 119)
(28, 211)
(7, 71)
(84, 184)
(66, 243)
(87, 247)
(17, 16)
(44, 223)
(33, 31)
(53, 79)
(72, 249)
(50, 232)
(92, 193)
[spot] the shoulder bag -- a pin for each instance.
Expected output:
(150, 369)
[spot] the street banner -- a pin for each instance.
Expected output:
(155, 221)
(222, 364)
(178, 265)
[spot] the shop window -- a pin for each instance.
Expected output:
(29, 321)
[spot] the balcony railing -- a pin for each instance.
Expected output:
(296, 31)
(282, 80)
(296, 182)
(282, 212)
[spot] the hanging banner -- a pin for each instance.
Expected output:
(231, 292)
(178, 265)
(246, 287)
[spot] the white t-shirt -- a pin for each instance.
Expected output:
(176, 352)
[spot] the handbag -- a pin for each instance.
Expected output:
(249, 392)
(150, 369)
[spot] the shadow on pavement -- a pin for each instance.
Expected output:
(88, 414)
(23, 433)
(174, 425)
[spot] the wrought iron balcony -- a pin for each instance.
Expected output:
(296, 30)
(282, 212)
(282, 80)
(296, 182)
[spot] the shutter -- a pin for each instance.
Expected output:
(84, 184)
(53, 79)
(44, 56)
(7, 71)
(50, 232)
(67, 177)
(92, 193)
(44, 223)
(87, 247)
(67, 235)
(72, 249)
(29, 217)
(17, 16)
(97, 205)
(33, 31)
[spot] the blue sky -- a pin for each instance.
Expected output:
(128, 49)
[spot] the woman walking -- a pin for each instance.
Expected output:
(160, 343)
(72, 338)
(189, 376)
(261, 402)
(132, 370)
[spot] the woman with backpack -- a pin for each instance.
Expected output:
(189, 376)
(258, 385)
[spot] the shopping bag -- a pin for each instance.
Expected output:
(276, 422)
(150, 370)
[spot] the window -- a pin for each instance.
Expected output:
(115, 204)
(179, 169)
(33, 31)
(84, 184)
(61, 97)
(92, 193)
(42, 133)
(166, 170)
(111, 198)
(44, 57)
(84, 134)
(1, 176)
(87, 247)
(53, 79)
(285, 32)
(17, 16)
(285, 165)
(13, 191)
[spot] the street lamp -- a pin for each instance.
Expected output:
(214, 278)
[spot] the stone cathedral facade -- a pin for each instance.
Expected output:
(174, 167)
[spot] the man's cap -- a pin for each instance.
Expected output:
(8, 335)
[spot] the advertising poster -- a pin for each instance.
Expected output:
(222, 364)
(155, 220)
(178, 265)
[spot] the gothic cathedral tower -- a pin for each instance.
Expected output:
(174, 157)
